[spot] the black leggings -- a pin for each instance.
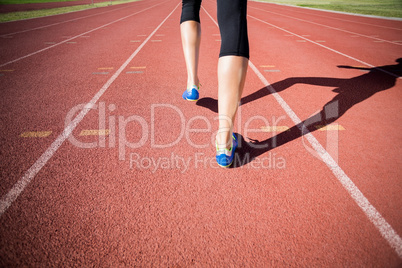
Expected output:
(232, 20)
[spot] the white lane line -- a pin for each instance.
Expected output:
(58, 23)
(328, 48)
(385, 229)
(22, 183)
(80, 35)
(329, 27)
(335, 12)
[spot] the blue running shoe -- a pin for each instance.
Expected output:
(225, 157)
(191, 94)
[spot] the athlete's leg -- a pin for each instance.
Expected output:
(231, 78)
(191, 37)
(232, 65)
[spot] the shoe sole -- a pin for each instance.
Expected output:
(229, 163)
(225, 166)
(191, 99)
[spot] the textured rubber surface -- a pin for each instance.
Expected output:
(160, 199)
(38, 6)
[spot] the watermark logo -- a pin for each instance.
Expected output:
(118, 127)
(202, 161)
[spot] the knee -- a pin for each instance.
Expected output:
(190, 10)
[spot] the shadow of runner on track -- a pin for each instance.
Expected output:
(350, 91)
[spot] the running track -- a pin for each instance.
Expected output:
(131, 178)
(38, 6)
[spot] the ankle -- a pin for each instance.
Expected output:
(194, 82)
(224, 140)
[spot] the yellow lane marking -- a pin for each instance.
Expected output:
(7, 70)
(274, 128)
(330, 127)
(320, 41)
(135, 41)
(95, 132)
(156, 40)
(300, 40)
(267, 66)
(36, 134)
(138, 67)
(105, 68)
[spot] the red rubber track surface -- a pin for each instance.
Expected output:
(165, 202)
(38, 6)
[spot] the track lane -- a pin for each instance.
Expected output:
(15, 32)
(385, 23)
(22, 26)
(382, 117)
(360, 174)
(376, 54)
(47, 85)
(15, 49)
(369, 35)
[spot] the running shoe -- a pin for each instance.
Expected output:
(191, 94)
(225, 157)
